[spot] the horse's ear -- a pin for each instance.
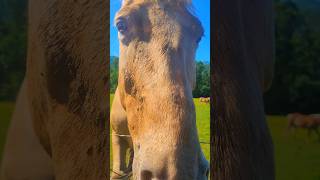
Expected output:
(125, 2)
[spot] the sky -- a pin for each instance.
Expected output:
(201, 9)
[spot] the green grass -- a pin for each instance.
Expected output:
(297, 157)
(203, 125)
(6, 109)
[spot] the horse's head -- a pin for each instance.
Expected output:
(158, 40)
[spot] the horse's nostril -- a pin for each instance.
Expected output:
(146, 175)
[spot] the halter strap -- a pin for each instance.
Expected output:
(121, 135)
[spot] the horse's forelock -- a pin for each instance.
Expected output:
(173, 2)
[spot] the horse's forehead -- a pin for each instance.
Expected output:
(181, 6)
(172, 2)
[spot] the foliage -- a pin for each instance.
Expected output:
(296, 84)
(310, 8)
(12, 47)
(114, 63)
(202, 88)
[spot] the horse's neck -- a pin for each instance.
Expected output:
(240, 133)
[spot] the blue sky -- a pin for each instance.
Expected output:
(201, 8)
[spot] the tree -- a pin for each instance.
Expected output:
(202, 88)
(114, 63)
(296, 81)
(12, 47)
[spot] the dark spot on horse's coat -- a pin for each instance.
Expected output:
(90, 151)
(60, 62)
(78, 98)
(60, 75)
(129, 84)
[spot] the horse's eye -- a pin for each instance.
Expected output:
(121, 26)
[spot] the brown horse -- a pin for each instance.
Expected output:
(59, 129)
(153, 101)
(310, 122)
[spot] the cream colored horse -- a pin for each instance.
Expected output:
(309, 122)
(59, 129)
(205, 100)
(153, 101)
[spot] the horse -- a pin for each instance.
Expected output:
(153, 111)
(242, 70)
(309, 122)
(59, 129)
(205, 99)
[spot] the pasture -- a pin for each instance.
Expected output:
(297, 157)
(203, 124)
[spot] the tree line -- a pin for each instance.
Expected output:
(296, 83)
(13, 30)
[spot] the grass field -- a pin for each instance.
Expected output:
(297, 158)
(6, 110)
